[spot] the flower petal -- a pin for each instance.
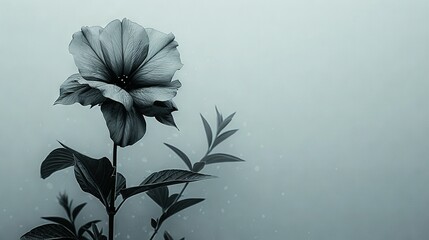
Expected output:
(167, 120)
(135, 45)
(158, 108)
(111, 46)
(145, 97)
(71, 91)
(125, 127)
(124, 46)
(162, 60)
(112, 92)
(86, 51)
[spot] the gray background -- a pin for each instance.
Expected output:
(332, 106)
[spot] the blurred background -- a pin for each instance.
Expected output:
(331, 99)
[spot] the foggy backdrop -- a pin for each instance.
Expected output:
(332, 106)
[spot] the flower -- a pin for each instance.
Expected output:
(128, 71)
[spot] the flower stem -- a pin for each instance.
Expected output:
(111, 211)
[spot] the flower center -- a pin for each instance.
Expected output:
(122, 81)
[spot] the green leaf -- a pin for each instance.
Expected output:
(179, 206)
(220, 157)
(225, 123)
(85, 228)
(223, 137)
(49, 232)
(58, 159)
(167, 236)
(181, 154)
(164, 178)
(95, 177)
(77, 210)
(198, 166)
(208, 130)
(62, 221)
(159, 196)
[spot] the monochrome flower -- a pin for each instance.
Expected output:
(128, 71)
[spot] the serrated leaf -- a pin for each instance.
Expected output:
(179, 206)
(181, 154)
(85, 228)
(198, 166)
(208, 130)
(62, 221)
(220, 157)
(95, 177)
(153, 223)
(77, 210)
(223, 137)
(225, 123)
(159, 196)
(49, 232)
(164, 178)
(56, 160)
(167, 236)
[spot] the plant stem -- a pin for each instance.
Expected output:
(154, 233)
(177, 198)
(111, 209)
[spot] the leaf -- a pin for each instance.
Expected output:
(225, 123)
(219, 117)
(153, 223)
(85, 228)
(95, 177)
(49, 232)
(58, 159)
(181, 154)
(63, 200)
(220, 157)
(198, 166)
(208, 130)
(223, 137)
(171, 199)
(62, 221)
(159, 196)
(167, 236)
(77, 210)
(179, 206)
(164, 178)
(121, 183)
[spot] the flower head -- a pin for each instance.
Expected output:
(128, 71)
